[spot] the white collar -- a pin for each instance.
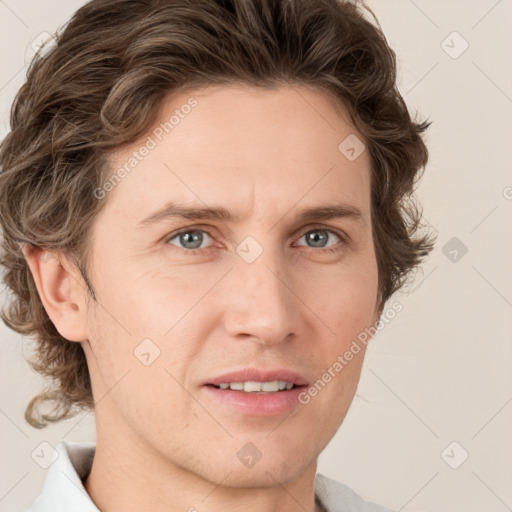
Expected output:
(63, 489)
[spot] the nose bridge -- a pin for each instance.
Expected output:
(260, 300)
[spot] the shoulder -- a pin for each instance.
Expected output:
(337, 497)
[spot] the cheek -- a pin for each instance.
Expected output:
(119, 370)
(344, 299)
(108, 349)
(148, 300)
(167, 298)
(171, 307)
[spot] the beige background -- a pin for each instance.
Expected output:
(440, 371)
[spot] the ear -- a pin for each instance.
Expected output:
(58, 283)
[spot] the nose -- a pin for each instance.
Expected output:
(260, 301)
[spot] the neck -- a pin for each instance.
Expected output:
(128, 475)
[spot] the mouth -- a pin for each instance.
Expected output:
(251, 386)
(257, 392)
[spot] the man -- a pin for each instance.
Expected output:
(203, 209)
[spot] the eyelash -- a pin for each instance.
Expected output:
(344, 239)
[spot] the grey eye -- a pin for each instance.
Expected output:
(318, 237)
(190, 239)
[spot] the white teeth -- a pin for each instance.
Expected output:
(268, 386)
(255, 387)
(250, 387)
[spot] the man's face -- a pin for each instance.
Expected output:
(266, 290)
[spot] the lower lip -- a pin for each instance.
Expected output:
(257, 404)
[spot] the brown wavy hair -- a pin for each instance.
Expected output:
(100, 86)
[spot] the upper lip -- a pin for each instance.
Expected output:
(257, 375)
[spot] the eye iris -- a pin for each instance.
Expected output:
(315, 238)
(196, 238)
(193, 239)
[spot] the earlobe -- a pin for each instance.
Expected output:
(59, 290)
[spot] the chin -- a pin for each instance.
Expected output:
(269, 475)
(268, 468)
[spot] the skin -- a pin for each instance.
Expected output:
(162, 443)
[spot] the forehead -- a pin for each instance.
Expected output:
(243, 146)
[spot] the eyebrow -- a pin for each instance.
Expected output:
(174, 210)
